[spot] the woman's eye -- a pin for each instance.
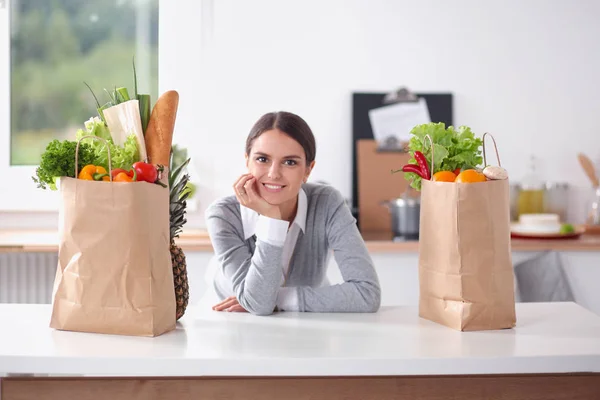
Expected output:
(261, 159)
(290, 162)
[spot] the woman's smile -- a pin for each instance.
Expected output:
(273, 188)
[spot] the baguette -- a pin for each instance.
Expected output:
(159, 135)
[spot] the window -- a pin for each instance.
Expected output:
(53, 47)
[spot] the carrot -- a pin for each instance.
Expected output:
(159, 135)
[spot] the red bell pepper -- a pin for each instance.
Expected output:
(146, 172)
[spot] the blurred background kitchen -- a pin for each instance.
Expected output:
(524, 70)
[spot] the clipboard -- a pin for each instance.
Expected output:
(372, 180)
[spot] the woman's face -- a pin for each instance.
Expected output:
(278, 163)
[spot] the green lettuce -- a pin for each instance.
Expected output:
(452, 148)
(121, 156)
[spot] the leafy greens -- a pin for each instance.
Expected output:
(452, 148)
(59, 160)
(121, 156)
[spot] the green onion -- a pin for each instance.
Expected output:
(144, 104)
(122, 94)
(113, 101)
(134, 79)
(98, 107)
(101, 110)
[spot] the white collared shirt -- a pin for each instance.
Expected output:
(276, 232)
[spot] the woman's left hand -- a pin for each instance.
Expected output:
(230, 304)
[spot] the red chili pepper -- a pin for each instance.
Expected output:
(146, 172)
(420, 157)
(457, 171)
(414, 169)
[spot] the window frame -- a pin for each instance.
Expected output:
(20, 193)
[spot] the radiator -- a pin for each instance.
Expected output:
(27, 277)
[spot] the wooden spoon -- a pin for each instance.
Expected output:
(589, 169)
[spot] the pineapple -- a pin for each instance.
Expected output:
(179, 192)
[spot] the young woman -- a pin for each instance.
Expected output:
(273, 238)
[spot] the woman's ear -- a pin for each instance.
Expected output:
(247, 159)
(309, 170)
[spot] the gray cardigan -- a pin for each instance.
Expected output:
(251, 269)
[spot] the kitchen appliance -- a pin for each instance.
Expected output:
(404, 212)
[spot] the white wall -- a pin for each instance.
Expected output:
(527, 71)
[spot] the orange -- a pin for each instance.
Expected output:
(470, 176)
(444, 176)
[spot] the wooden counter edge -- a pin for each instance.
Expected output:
(508, 386)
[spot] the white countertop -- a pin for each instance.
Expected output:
(549, 338)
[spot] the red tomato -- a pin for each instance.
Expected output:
(145, 172)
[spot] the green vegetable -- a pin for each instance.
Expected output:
(121, 156)
(566, 228)
(95, 127)
(452, 149)
(122, 94)
(59, 160)
(144, 104)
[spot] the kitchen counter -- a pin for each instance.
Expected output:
(47, 241)
(198, 240)
(383, 243)
(307, 355)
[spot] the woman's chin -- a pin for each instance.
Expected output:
(272, 198)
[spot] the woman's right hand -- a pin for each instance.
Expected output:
(248, 196)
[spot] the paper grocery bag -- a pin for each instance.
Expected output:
(465, 267)
(114, 270)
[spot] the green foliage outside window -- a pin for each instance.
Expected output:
(55, 46)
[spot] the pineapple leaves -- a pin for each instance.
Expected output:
(175, 174)
(178, 181)
(177, 205)
(179, 192)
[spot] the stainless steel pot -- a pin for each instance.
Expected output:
(404, 213)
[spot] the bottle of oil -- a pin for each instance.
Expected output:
(531, 193)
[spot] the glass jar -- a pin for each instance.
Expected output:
(556, 199)
(593, 213)
(531, 200)
(531, 193)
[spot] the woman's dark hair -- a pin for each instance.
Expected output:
(290, 124)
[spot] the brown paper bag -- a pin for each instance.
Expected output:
(465, 268)
(114, 271)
